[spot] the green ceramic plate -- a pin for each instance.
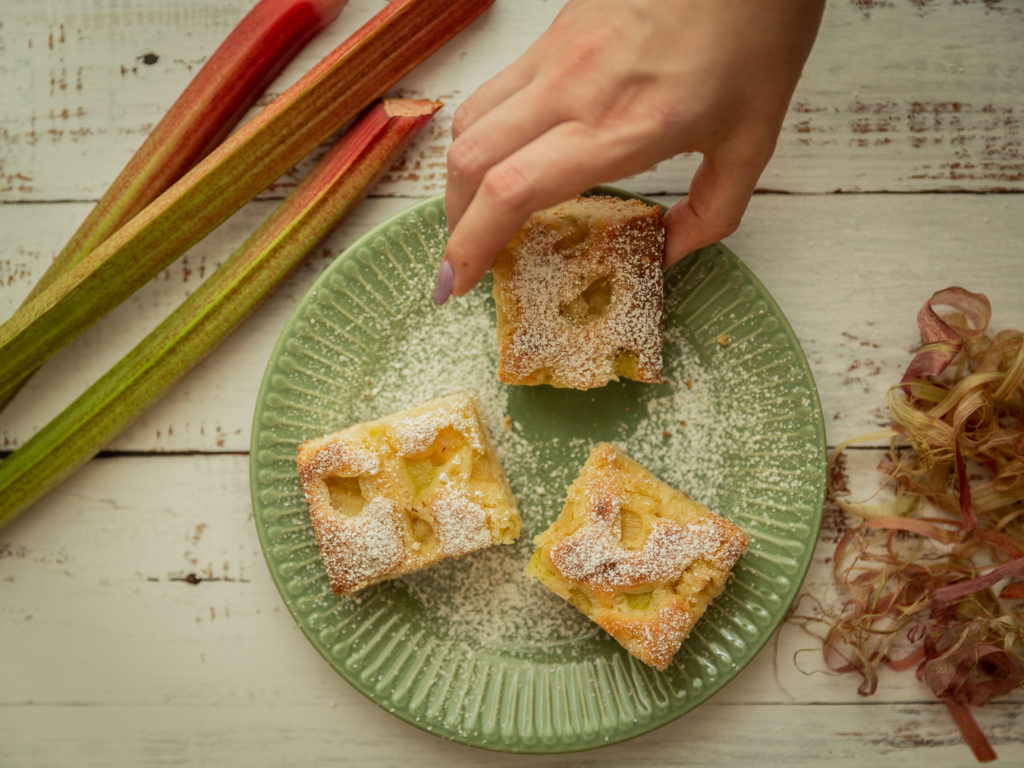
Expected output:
(471, 649)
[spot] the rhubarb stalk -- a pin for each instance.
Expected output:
(237, 73)
(400, 36)
(248, 60)
(261, 264)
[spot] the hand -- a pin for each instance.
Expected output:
(610, 89)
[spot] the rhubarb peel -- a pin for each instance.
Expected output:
(392, 43)
(237, 73)
(923, 591)
(261, 264)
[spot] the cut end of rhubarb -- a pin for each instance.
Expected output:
(327, 10)
(410, 107)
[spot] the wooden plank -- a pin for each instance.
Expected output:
(906, 95)
(92, 81)
(353, 732)
(120, 666)
(850, 272)
(138, 565)
(898, 95)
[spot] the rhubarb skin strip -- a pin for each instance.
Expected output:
(224, 300)
(252, 55)
(391, 44)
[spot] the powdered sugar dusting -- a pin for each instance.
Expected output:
(662, 638)
(360, 549)
(415, 434)
(593, 556)
(354, 478)
(472, 648)
(321, 458)
(483, 597)
(551, 336)
(461, 522)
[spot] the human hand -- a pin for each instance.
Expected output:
(610, 89)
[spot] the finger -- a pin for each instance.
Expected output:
(508, 81)
(719, 193)
(563, 162)
(523, 117)
(503, 85)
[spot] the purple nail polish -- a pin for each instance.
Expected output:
(445, 283)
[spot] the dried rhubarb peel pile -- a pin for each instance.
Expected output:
(934, 580)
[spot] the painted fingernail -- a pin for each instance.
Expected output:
(445, 283)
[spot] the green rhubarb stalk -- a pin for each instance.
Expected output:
(400, 36)
(241, 68)
(261, 264)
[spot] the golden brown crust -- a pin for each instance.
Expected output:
(391, 496)
(578, 295)
(651, 638)
(641, 559)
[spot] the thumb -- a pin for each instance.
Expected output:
(719, 193)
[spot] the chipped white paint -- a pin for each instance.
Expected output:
(898, 95)
(115, 656)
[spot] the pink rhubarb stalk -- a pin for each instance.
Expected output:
(237, 73)
(400, 36)
(339, 181)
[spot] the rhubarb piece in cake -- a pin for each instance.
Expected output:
(639, 558)
(578, 293)
(391, 496)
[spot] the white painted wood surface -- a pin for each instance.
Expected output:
(113, 656)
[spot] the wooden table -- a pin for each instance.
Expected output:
(138, 621)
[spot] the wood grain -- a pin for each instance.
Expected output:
(311, 735)
(903, 95)
(161, 626)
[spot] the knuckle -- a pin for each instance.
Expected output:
(665, 115)
(717, 220)
(464, 157)
(753, 151)
(756, 156)
(713, 228)
(462, 119)
(577, 56)
(578, 61)
(724, 230)
(507, 185)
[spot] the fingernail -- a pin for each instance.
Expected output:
(445, 283)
